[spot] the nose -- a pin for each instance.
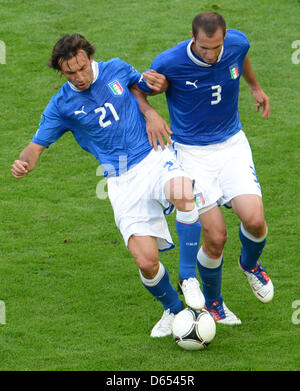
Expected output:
(79, 76)
(210, 53)
(210, 56)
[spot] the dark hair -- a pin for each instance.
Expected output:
(209, 22)
(67, 47)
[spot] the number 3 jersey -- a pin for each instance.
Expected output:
(203, 98)
(105, 119)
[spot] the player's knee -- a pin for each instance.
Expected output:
(148, 264)
(214, 243)
(218, 243)
(256, 225)
(145, 253)
(148, 269)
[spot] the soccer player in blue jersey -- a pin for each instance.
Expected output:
(97, 106)
(201, 78)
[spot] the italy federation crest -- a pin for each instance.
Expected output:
(234, 71)
(199, 199)
(116, 88)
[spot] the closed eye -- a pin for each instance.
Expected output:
(73, 72)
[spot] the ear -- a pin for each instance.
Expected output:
(192, 36)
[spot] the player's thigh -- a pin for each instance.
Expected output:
(202, 164)
(238, 175)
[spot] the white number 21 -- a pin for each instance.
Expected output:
(216, 94)
(102, 110)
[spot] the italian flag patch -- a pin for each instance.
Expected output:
(116, 87)
(234, 71)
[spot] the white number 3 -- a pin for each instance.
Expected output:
(216, 94)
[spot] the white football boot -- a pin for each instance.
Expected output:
(191, 291)
(222, 314)
(164, 326)
(260, 283)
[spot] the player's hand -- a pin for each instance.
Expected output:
(19, 169)
(262, 100)
(156, 81)
(157, 130)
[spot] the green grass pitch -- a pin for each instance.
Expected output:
(72, 295)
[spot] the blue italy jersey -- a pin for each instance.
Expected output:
(203, 98)
(104, 119)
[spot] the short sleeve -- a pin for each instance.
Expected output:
(158, 65)
(127, 71)
(51, 126)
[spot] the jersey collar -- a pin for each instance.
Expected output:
(95, 72)
(196, 60)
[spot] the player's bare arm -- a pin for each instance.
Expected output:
(156, 81)
(262, 100)
(27, 160)
(157, 128)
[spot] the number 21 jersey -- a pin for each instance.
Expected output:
(105, 119)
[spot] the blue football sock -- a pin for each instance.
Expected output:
(161, 288)
(251, 248)
(189, 231)
(210, 270)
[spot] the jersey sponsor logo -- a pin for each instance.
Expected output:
(116, 88)
(76, 112)
(234, 71)
(190, 83)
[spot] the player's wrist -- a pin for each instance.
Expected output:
(149, 113)
(254, 86)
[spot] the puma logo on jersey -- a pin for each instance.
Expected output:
(80, 111)
(189, 83)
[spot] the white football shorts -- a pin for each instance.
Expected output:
(220, 171)
(137, 197)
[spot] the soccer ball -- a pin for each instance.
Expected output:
(193, 329)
